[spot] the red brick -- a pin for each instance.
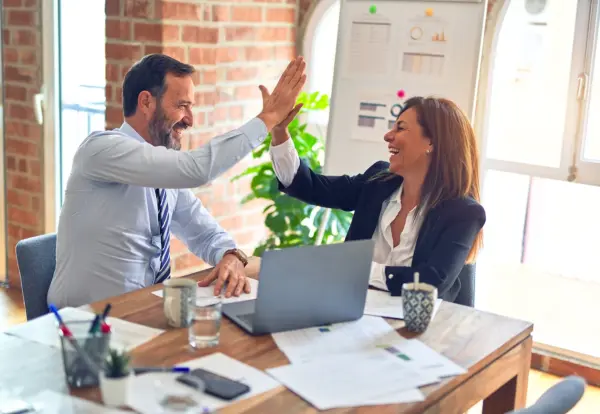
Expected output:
(227, 54)
(247, 92)
(113, 8)
(209, 77)
(14, 231)
(236, 113)
(202, 56)
(139, 8)
(176, 52)
(152, 49)
(21, 18)
(22, 182)
(17, 93)
(241, 33)
(148, 32)
(287, 15)
(246, 13)
(171, 33)
(241, 73)
(232, 223)
(114, 115)
(11, 163)
(205, 98)
(220, 13)
(18, 198)
(187, 261)
(124, 52)
(11, 3)
(35, 168)
(21, 112)
(221, 113)
(11, 54)
(118, 95)
(195, 34)
(118, 29)
(6, 36)
(285, 52)
(29, 56)
(113, 71)
(273, 34)
(199, 119)
(25, 37)
(255, 53)
(177, 246)
(18, 74)
(20, 147)
(19, 216)
(181, 11)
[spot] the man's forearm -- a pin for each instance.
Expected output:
(117, 158)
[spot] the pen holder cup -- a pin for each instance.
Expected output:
(418, 305)
(84, 354)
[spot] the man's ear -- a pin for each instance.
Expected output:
(146, 104)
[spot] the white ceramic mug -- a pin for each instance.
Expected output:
(179, 296)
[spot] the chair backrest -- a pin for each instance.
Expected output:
(36, 258)
(466, 295)
(558, 399)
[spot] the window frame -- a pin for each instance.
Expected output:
(572, 167)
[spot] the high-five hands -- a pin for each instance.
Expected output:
(279, 105)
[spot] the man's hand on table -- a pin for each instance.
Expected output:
(230, 271)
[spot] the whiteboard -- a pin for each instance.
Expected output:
(388, 48)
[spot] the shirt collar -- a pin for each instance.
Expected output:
(395, 197)
(128, 130)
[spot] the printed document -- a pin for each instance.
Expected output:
(354, 379)
(151, 391)
(310, 343)
(208, 292)
(125, 335)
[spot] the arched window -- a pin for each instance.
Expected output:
(319, 45)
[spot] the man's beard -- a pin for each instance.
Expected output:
(160, 130)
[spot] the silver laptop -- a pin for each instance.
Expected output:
(301, 287)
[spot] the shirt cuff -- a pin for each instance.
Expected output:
(256, 132)
(286, 147)
(221, 252)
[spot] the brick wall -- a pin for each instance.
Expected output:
(234, 46)
(22, 63)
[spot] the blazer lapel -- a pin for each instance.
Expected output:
(368, 217)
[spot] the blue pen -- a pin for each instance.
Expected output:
(143, 370)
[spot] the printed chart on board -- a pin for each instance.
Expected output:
(389, 51)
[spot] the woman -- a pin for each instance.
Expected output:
(422, 208)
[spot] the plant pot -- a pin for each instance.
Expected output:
(115, 391)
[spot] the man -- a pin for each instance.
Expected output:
(129, 188)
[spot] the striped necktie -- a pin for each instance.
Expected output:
(165, 236)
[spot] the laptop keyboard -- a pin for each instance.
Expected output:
(246, 317)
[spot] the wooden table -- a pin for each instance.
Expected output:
(496, 351)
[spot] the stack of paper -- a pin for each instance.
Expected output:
(352, 379)
(208, 291)
(44, 329)
(365, 362)
(381, 303)
(149, 390)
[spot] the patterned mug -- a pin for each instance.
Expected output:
(179, 298)
(418, 305)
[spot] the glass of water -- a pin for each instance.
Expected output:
(206, 325)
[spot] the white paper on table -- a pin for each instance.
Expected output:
(44, 329)
(380, 303)
(148, 389)
(425, 359)
(50, 402)
(353, 379)
(208, 292)
(311, 343)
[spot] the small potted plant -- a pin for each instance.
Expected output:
(115, 380)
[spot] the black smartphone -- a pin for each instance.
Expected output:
(216, 385)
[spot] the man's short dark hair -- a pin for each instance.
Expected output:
(149, 74)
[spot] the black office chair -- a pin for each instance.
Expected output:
(466, 295)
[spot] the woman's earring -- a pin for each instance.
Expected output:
(428, 151)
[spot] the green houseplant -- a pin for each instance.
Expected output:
(290, 221)
(115, 379)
